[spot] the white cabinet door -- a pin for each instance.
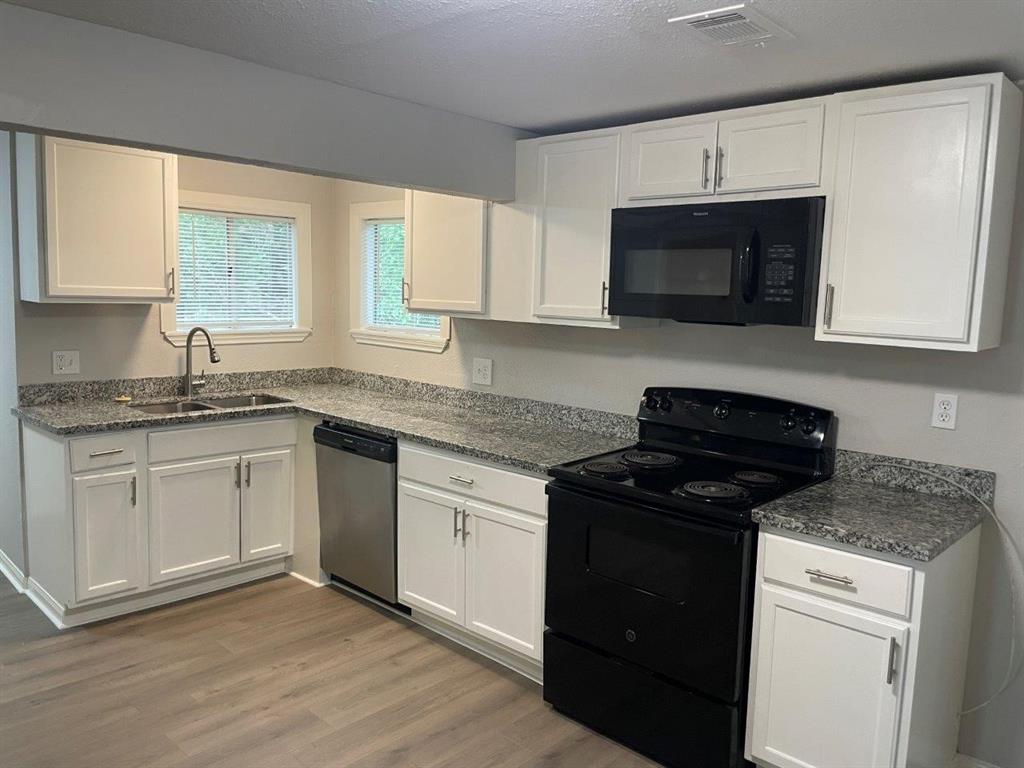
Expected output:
(505, 577)
(777, 150)
(106, 523)
(670, 161)
(828, 685)
(104, 219)
(905, 215)
(267, 504)
(578, 187)
(445, 247)
(193, 517)
(431, 555)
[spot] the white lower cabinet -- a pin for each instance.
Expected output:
(828, 685)
(106, 526)
(431, 557)
(504, 577)
(193, 517)
(857, 661)
(473, 557)
(267, 495)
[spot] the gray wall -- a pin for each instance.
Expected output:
(59, 74)
(11, 539)
(883, 397)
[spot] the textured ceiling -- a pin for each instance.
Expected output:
(552, 64)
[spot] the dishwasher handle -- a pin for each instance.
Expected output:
(376, 447)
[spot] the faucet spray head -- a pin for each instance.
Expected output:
(214, 356)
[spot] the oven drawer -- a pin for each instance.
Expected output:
(864, 581)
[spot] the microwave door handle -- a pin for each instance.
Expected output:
(748, 270)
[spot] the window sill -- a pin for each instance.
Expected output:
(177, 338)
(421, 342)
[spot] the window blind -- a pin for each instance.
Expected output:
(383, 270)
(236, 272)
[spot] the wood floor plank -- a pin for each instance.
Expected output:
(275, 674)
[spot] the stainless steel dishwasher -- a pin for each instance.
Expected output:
(356, 477)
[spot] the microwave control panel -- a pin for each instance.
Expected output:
(780, 274)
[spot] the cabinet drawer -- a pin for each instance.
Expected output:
(220, 439)
(864, 581)
(113, 450)
(469, 478)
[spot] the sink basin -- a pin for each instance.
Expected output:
(186, 407)
(243, 401)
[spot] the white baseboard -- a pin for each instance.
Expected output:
(307, 580)
(966, 761)
(13, 573)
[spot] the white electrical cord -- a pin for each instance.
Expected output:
(1013, 557)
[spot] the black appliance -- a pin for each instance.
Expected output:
(650, 566)
(740, 263)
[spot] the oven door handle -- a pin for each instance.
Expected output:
(748, 266)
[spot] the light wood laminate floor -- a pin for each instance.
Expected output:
(276, 673)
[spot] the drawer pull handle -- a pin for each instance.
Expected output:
(460, 479)
(828, 576)
(109, 452)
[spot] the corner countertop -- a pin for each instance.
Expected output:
(508, 439)
(906, 523)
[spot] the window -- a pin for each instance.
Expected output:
(243, 270)
(377, 273)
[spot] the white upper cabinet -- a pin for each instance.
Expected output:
(921, 215)
(773, 150)
(445, 249)
(670, 160)
(578, 181)
(97, 223)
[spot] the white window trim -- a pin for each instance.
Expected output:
(421, 341)
(257, 206)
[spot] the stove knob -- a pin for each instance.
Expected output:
(787, 422)
(650, 402)
(665, 403)
(721, 411)
(809, 426)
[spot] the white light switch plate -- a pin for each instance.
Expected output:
(66, 362)
(944, 411)
(482, 370)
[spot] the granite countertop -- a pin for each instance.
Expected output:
(906, 523)
(530, 445)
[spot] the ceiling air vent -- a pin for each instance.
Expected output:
(733, 25)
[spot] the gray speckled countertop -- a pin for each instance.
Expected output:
(530, 445)
(906, 523)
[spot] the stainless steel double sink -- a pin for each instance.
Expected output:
(210, 404)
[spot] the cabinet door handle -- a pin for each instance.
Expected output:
(238, 475)
(465, 530)
(248, 474)
(173, 286)
(890, 672)
(704, 180)
(828, 576)
(135, 491)
(720, 167)
(604, 296)
(455, 522)
(405, 296)
(461, 479)
(108, 452)
(830, 294)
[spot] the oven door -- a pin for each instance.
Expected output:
(665, 263)
(667, 593)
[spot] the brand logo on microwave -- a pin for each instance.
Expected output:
(700, 213)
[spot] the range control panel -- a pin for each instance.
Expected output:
(780, 274)
(739, 415)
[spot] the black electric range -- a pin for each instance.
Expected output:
(650, 566)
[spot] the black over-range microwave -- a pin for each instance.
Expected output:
(740, 263)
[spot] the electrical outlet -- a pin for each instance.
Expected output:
(482, 371)
(66, 362)
(944, 411)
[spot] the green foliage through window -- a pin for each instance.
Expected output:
(383, 274)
